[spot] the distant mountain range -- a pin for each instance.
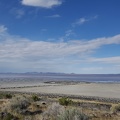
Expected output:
(38, 73)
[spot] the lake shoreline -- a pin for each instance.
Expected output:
(91, 91)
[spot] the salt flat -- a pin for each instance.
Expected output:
(108, 90)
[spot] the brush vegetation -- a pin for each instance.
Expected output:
(34, 107)
(65, 101)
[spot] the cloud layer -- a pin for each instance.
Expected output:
(42, 3)
(17, 52)
(15, 47)
(23, 48)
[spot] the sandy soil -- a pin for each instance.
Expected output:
(109, 90)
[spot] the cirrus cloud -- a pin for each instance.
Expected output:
(2, 29)
(83, 20)
(54, 16)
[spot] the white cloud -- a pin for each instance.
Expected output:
(25, 48)
(2, 29)
(84, 20)
(81, 21)
(23, 53)
(42, 3)
(113, 60)
(54, 16)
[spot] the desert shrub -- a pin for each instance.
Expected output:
(7, 116)
(23, 104)
(65, 101)
(72, 114)
(35, 98)
(58, 112)
(115, 108)
(16, 105)
(53, 112)
(6, 96)
(1, 95)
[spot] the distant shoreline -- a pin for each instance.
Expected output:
(55, 83)
(44, 77)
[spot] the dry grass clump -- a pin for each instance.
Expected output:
(94, 105)
(115, 108)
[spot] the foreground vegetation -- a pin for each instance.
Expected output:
(34, 107)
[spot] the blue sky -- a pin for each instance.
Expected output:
(70, 36)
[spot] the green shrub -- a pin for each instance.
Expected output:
(8, 96)
(1, 95)
(65, 101)
(35, 98)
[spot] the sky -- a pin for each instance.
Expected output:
(66, 36)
